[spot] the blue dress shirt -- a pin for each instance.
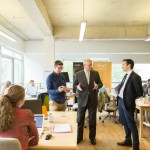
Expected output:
(53, 81)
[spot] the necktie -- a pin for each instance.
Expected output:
(122, 83)
(88, 77)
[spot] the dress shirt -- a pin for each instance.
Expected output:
(122, 88)
(53, 81)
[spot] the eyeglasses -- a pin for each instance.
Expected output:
(59, 68)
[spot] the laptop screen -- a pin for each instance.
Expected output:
(39, 121)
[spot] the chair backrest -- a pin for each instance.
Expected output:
(46, 102)
(10, 144)
(102, 99)
(41, 96)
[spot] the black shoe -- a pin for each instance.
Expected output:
(125, 143)
(93, 141)
(79, 140)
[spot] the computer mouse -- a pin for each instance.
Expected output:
(48, 136)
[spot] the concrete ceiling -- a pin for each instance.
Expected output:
(106, 19)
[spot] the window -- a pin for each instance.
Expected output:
(117, 73)
(17, 72)
(6, 70)
(11, 66)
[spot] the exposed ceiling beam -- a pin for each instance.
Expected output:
(36, 10)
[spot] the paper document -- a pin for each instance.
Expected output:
(70, 101)
(60, 128)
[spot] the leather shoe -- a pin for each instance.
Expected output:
(93, 141)
(79, 140)
(125, 143)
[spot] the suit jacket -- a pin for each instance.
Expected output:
(133, 89)
(87, 90)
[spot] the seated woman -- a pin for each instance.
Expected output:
(15, 122)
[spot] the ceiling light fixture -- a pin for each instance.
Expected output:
(7, 36)
(148, 38)
(82, 26)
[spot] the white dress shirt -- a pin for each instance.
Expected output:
(122, 88)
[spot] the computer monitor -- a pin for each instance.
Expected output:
(66, 76)
(34, 105)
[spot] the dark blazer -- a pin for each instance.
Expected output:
(87, 90)
(133, 89)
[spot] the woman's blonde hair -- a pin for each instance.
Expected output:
(9, 100)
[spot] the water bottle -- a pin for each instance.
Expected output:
(50, 117)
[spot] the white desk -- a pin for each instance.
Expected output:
(59, 141)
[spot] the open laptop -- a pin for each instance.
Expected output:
(34, 105)
(39, 120)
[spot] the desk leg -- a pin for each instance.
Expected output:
(141, 124)
(114, 104)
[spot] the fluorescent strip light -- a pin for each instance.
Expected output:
(148, 39)
(82, 30)
(7, 36)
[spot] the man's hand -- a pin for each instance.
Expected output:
(79, 87)
(95, 86)
(61, 88)
(67, 90)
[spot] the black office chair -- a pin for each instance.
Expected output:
(104, 104)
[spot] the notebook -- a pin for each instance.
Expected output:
(39, 120)
(62, 128)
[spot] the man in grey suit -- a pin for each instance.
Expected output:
(87, 82)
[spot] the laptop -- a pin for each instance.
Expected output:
(34, 105)
(39, 121)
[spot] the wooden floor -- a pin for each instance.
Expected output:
(108, 134)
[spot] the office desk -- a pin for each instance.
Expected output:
(142, 108)
(59, 141)
(30, 98)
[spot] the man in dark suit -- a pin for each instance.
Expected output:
(129, 90)
(87, 83)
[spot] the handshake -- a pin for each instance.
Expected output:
(63, 89)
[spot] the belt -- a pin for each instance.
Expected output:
(120, 98)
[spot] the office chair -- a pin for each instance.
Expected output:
(44, 98)
(10, 144)
(104, 103)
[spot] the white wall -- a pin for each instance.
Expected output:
(34, 68)
(34, 61)
(114, 51)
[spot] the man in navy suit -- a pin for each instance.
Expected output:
(129, 90)
(87, 82)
